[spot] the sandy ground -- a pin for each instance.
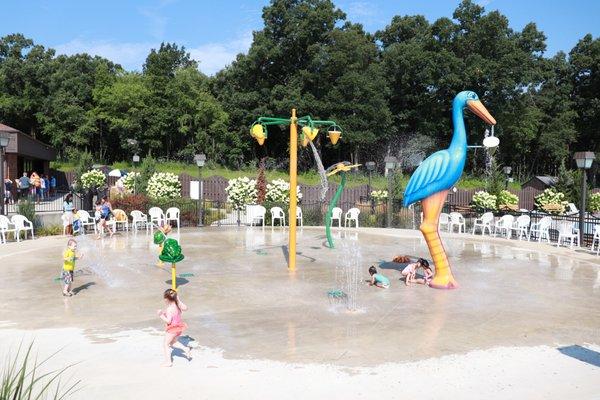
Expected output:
(523, 325)
(128, 368)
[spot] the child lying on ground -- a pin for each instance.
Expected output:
(378, 280)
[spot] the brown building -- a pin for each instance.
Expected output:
(540, 182)
(25, 154)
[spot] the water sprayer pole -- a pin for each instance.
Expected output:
(332, 204)
(293, 190)
(173, 277)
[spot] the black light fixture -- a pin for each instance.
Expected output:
(584, 160)
(4, 140)
(200, 160)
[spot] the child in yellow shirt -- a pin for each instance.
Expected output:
(69, 257)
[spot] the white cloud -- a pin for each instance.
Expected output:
(212, 57)
(359, 10)
(130, 55)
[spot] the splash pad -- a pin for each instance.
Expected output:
(249, 305)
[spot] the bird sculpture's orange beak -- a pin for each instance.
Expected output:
(479, 109)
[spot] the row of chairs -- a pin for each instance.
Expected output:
(138, 219)
(523, 228)
(257, 216)
(15, 225)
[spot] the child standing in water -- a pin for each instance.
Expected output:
(410, 272)
(171, 315)
(378, 280)
(69, 257)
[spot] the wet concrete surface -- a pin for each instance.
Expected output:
(243, 300)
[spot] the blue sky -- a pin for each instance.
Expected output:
(215, 31)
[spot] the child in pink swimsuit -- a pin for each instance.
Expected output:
(171, 315)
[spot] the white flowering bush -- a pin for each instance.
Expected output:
(129, 181)
(164, 185)
(551, 201)
(278, 191)
(507, 200)
(241, 191)
(92, 179)
(483, 200)
(379, 195)
(594, 203)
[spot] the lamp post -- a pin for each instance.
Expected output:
(136, 160)
(133, 143)
(584, 160)
(507, 170)
(200, 160)
(310, 129)
(390, 165)
(4, 139)
(370, 167)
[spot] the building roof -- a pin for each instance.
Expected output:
(545, 179)
(24, 145)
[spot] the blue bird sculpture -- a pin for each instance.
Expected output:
(435, 176)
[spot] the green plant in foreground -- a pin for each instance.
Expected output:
(22, 379)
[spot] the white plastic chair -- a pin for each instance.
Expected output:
(22, 224)
(566, 231)
(336, 213)
(299, 216)
(255, 215)
(5, 228)
(172, 214)
(444, 221)
(351, 215)
(137, 218)
(65, 223)
(156, 217)
(484, 222)
(456, 219)
(120, 218)
(521, 225)
(596, 238)
(541, 229)
(277, 213)
(504, 225)
(86, 220)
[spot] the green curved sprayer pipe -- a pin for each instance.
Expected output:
(332, 204)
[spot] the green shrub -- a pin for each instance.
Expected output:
(483, 201)
(506, 199)
(49, 230)
(27, 209)
(551, 201)
(22, 379)
(594, 202)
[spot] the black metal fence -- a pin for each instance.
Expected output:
(47, 203)
(589, 221)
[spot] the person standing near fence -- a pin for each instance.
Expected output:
(8, 199)
(46, 181)
(36, 186)
(52, 185)
(24, 186)
(68, 208)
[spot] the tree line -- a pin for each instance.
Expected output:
(390, 91)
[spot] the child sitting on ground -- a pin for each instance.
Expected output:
(378, 280)
(69, 257)
(410, 272)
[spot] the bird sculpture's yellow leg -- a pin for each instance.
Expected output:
(432, 207)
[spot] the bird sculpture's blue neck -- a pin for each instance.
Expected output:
(459, 136)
